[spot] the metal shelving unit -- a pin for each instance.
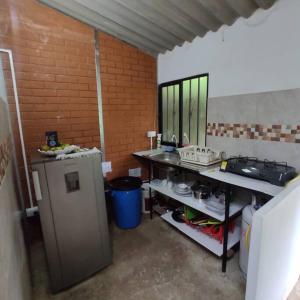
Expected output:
(233, 207)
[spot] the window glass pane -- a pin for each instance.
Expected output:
(193, 102)
(194, 97)
(203, 104)
(176, 110)
(165, 114)
(170, 112)
(186, 108)
(194, 111)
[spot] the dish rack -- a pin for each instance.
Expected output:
(200, 155)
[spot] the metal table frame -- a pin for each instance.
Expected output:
(227, 205)
(230, 181)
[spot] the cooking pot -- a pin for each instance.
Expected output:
(201, 191)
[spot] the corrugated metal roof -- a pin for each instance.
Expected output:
(155, 26)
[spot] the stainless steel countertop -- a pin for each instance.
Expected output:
(213, 172)
(150, 155)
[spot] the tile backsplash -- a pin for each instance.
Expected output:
(276, 133)
(265, 125)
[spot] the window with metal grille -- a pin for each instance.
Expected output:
(183, 111)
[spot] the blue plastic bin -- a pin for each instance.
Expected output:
(127, 201)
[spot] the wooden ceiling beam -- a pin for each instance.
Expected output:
(198, 13)
(244, 8)
(72, 9)
(121, 20)
(156, 17)
(155, 26)
(265, 4)
(221, 10)
(178, 16)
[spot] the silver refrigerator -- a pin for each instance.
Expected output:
(71, 201)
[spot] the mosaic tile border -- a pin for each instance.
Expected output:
(276, 133)
(5, 156)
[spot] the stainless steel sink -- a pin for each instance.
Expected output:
(170, 157)
(173, 158)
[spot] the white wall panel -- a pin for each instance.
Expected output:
(254, 55)
(274, 260)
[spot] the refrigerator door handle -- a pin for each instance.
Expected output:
(36, 184)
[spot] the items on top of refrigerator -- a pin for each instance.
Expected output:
(62, 149)
(51, 139)
(54, 147)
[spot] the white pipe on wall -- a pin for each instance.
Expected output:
(13, 75)
(99, 93)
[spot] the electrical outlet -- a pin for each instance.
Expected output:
(137, 172)
(106, 167)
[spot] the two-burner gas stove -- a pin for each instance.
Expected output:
(271, 171)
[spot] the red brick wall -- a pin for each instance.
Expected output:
(55, 71)
(129, 101)
(54, 64)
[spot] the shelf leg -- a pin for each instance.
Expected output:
(151, 203)
(226, 226)
(150, 193)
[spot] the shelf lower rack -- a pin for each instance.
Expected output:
(203, 239)
(235, 206)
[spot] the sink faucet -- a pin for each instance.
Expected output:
(174, 138)
(187, 138)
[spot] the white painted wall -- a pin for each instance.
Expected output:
(274, 257)
(14, 277)
(258, 54)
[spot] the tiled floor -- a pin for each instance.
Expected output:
(153, 262)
